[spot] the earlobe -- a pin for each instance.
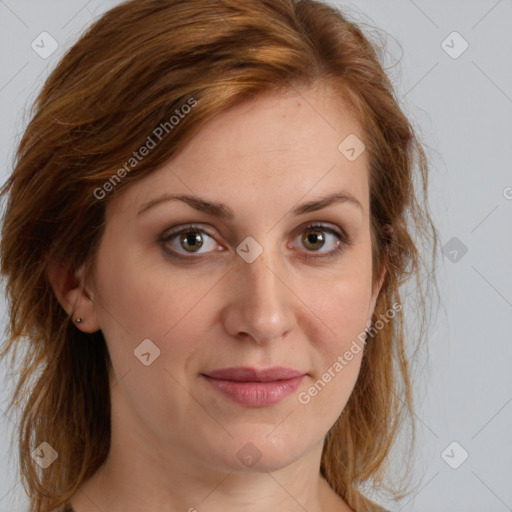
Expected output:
(69, 289)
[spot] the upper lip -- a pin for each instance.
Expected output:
(247, 374)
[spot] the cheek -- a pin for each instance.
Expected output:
(148, 299)
(142, 300)
(336, 336)
(138, 300)
(340, 306)
(339, 335)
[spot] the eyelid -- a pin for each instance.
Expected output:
(190, 226)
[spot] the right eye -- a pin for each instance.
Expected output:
(190, 239)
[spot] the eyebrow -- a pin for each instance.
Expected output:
(221, 211)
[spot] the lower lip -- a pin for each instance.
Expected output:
(256, 394)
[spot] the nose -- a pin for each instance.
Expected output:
(261, 303)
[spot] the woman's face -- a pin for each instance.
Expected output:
(237, 289)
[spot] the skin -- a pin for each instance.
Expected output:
(175, 439)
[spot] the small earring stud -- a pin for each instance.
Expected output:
(79, 320)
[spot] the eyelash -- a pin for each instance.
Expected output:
(342, 237)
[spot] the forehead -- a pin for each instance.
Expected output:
(275, 144)
(296, 124)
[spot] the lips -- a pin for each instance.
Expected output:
(246, 374)
(252, 387)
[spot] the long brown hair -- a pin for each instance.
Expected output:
(128, 74)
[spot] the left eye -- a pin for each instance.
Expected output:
(314, 237)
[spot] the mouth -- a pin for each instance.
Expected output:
(255, 387)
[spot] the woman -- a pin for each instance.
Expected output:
(210, 216)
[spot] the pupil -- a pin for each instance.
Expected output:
(191, 239)
(313, 238)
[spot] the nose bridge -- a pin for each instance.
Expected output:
(263, 280)
(263, 306)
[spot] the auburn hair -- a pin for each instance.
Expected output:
(128, 73)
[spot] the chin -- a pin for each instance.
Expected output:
(257, 452)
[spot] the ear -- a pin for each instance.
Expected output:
(67, 284)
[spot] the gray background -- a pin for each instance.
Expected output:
(462, 107)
